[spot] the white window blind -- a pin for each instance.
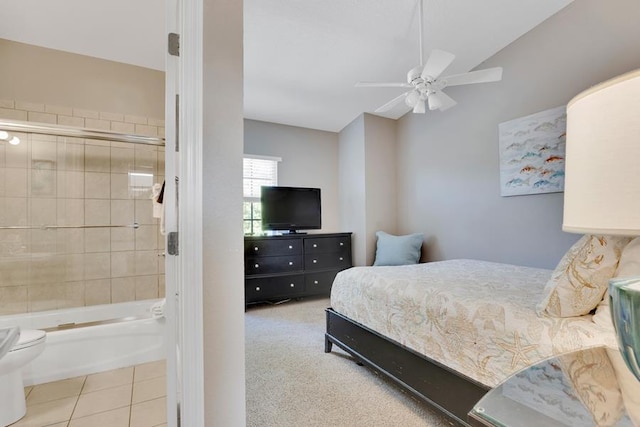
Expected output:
(258, 171)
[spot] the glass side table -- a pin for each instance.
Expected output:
(591, 387)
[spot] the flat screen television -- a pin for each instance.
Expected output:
(290, 208)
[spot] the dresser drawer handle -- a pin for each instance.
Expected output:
(315, 261)
(290, 247)
(341, 259)
(258, 288)
(257, 265)
(315, 282)
(290, 262)
(255, 249)
(341, 243)
(292, 285)
(315, 245)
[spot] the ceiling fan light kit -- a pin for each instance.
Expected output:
(424, 82)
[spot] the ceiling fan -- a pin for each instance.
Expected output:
(425, 84)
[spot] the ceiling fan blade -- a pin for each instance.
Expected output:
(480, 76)
(441, 101)
(420, 107)
(437, 62)
(381, 84)
(389, 105)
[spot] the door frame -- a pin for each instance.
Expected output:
(184, 272)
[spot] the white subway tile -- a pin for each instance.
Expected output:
(7, 103)
(97, 292)
(122, 239)
(146, 287)
(155, 122)
(97, 212)
(123, 289)
(112, 116)
(10, 114)
(122, 212)
(97, 265)
(97, 124)
(16, 183)
(58, 109)
(123, 264)
(71, 121)
(13, 300)
(29, 106)
(89, 114)
(122, 127)
(97, 158)
(97, 240)
(146, 130)
(17, 156)
(38, 117)
(97, 185)
(71, 211)
(135, 119)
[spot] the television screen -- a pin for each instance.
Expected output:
(290, 208)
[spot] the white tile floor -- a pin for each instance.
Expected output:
(127, 397)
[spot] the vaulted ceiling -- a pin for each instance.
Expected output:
(301, 57)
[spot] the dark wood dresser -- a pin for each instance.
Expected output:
(293, 265)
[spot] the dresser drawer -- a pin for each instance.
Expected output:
(272, 247)
(269, 288)
(319, 283)
(322, 245)
(337, 260)
(272, 264)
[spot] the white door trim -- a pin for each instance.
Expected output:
(186, 312)
(190, 213)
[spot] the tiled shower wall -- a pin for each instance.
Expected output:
(63, 181)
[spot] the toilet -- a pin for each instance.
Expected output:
(30, 345)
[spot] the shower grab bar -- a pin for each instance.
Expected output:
(52, 227)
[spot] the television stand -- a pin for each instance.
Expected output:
(293, 265)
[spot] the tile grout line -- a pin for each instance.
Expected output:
(77, 400)
(133, 382)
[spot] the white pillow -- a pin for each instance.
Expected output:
(582, 276)
(628, 266)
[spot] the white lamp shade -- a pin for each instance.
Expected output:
(602, 181)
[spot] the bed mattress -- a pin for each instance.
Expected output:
(476, 317)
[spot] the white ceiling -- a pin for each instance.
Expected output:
(302, 57)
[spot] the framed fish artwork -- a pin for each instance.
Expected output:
(532, 153)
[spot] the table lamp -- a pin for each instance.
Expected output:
(602, 187)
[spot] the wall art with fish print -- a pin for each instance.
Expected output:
(532, 153)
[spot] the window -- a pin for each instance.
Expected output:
(257, 171)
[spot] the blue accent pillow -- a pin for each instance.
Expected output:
(398, 250)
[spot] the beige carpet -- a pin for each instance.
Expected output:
(292, 382)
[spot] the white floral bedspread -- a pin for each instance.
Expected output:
(476, 317)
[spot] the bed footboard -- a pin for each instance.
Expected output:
(446, 390)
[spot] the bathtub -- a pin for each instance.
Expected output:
(87, 340)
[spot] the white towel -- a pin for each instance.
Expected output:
(158, 208)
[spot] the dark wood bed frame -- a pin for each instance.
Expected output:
(441, 387)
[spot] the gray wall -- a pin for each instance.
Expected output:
(380, 179)
(368, 182)
(309, 159)
(352, 187)
(448, 163)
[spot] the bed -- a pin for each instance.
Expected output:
(449, 331)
